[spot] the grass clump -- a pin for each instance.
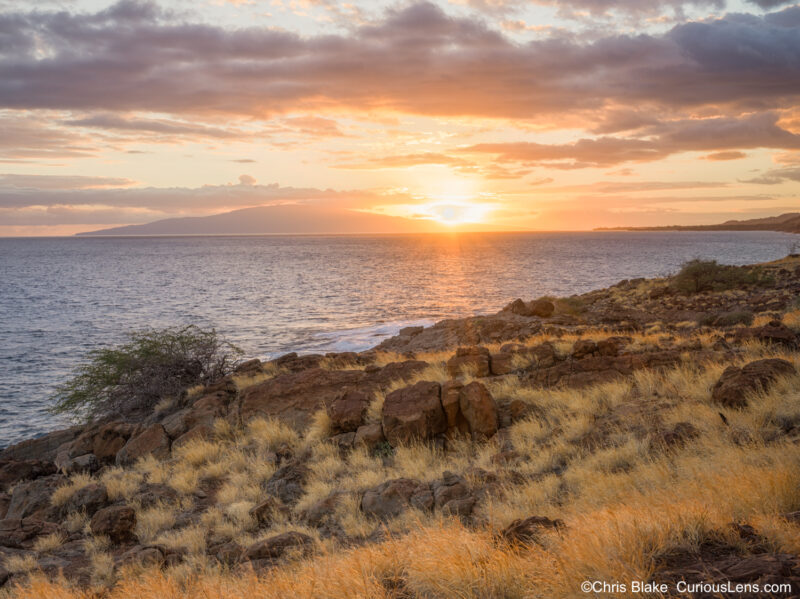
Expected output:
(153, 365)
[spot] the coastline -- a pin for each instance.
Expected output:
(450, 428)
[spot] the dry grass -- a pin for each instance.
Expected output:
(268, 371)
(49, 542)
(19, 564)
(121, 483)
(152, 520)
(583, 455)
(65, 492)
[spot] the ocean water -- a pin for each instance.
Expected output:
(60, 297)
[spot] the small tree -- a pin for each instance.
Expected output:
(130, 379)
(708, 275)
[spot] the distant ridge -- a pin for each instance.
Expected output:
(287, 219)
(787, 223)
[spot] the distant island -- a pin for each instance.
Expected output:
(787, 223)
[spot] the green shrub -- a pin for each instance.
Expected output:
(572, 306)
(130, 379)
(707, 275)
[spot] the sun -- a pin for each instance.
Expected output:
(453, 213)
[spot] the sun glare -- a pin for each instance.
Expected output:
(456, 213)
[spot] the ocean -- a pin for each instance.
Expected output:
(61, 297)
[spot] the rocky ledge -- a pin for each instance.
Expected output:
(257, 469)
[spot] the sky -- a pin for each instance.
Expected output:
(454, 114)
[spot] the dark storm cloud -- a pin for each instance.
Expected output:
(133, 57)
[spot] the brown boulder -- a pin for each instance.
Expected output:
(452, 495)
(451, 391)
(413, 413)
(287, 482)
(104, 441)
(199, 432)
(83, 463)
(295, 396)
(370, 435)
(393, 497)
(518, 307)
(382, 378)
(501, 363)
(32, 498)
(347, 411)
(14, 471)
(583, 348)
(153, 441)
(542, 308)
(117, 522)
(469, 360)
(774, 332)
(87, 499)
(175, 424)
(294, 363)
(207, 409)
(479, 409)
(278, 546)
(21, 533)
(736, 383)
(42, 448)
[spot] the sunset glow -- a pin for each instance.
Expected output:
(505, 115)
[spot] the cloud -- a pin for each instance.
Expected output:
(51, 182)
(657, 142)
(90, 200)
(115, 122)
(23, 137)
(727, 155)
(407, 160)
(776, 176)
(417, 59)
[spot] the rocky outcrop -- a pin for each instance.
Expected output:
(452, 495)
(32, 499)
(287, 482)
(541, 307)
(413, 413)
(117, 522)
(346, 412)
(472, 361)
(735, 384)
(773, 333)
(477, 330)
(279, 546)
(14, 471)
(393, 497)
(479, 410)
(295, 396)
(594, 368)
(20, 533)
(102, 440)
(153, 441)
(369, 435)
(87, 500)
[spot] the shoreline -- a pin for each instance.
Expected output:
(516, 432)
